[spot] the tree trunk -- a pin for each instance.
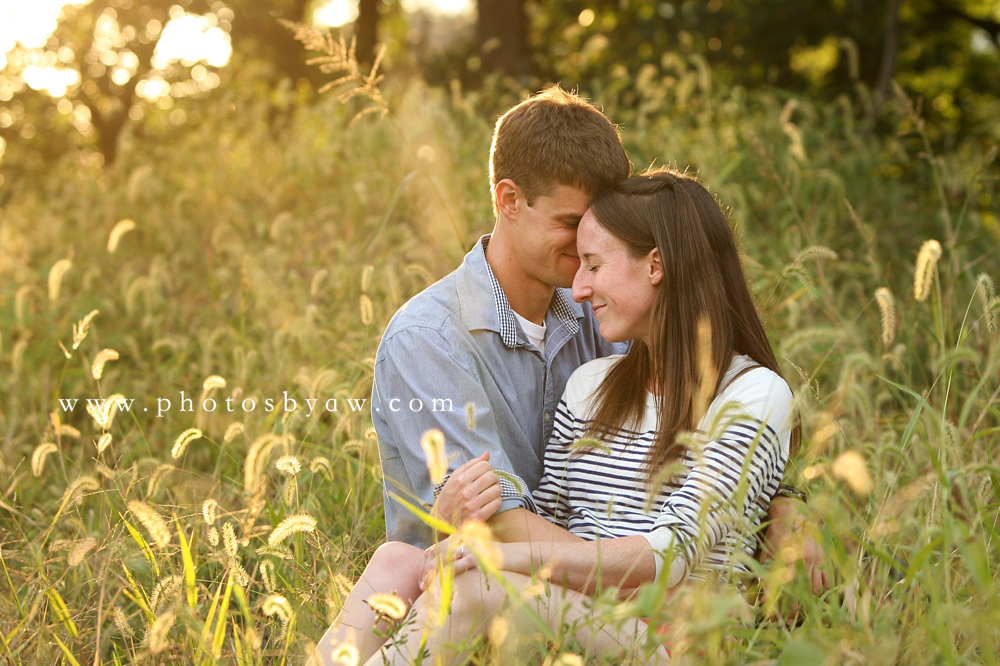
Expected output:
(888, 66)
(366, 30)
(503, 35)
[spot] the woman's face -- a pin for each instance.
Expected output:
(620, 288)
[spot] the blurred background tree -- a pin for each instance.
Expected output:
(152, 65)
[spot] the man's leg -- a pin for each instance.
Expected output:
(395, 567)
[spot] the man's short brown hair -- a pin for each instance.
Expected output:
(556, 138)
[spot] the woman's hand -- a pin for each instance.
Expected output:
(437, 555)
(472, 492)
(791, 536)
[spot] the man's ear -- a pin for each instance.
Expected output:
(655, 266)
(508, 195)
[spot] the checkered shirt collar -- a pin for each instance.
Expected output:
(505, 315)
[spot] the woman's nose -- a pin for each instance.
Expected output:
(581, 289)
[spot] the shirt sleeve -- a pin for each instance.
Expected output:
(424, 380)
(743, 460)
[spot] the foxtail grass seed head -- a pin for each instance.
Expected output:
(267, 575)
(387, 606)
(152, 521)
(256, 459)
(240, 574)
(56, 275)
(229, 539)
(103, 356)
(121, 621)
(213, 536)
(301, 522)
(850, 467)
(80, 550)
(104, 415)
(66, 430)
(470, 416)
(343, 585)
(103, 442)
(432, 444)
(988, 299)
(105, 471)
(209, 511)
(159, 633)
(366, 278)
(498, 631)
(280, 552)
(288, 465)
(923, 277)
(82, 327)
(707, 372)
(887, 307)
(321, 463)
(83, 484)
(568, 659)
(276, 604)
(345, 654)
(39, 455)
(213, 382)
(231, 432)
(119, 230)
(183, 439)
(164, 591)
(367, 310)
(816, 252)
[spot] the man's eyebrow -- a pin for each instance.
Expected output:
(570, 217)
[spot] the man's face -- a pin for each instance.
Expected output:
(546, 235)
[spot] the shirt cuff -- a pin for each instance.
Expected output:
(663, 540)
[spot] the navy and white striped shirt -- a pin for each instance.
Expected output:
(704, 515)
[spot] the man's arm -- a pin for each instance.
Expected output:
(421, 367)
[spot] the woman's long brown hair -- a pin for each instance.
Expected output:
(703, 282)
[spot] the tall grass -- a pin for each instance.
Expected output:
(259, 266)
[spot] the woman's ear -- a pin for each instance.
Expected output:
(507, 193)
(655, 266)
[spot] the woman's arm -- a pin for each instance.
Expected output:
(585, 566)
(517, 525)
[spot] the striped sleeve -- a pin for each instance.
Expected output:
(733, 475)
(551, 497)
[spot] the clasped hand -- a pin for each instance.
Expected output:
(472, 492)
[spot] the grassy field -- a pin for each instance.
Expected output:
(257, 268)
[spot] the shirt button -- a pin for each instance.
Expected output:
(548, 416)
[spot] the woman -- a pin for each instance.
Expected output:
(659, 266)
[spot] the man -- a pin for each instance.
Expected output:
(484, 354)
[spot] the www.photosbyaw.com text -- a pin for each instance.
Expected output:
(250, 404)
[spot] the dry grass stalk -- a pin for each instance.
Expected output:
(341, 57)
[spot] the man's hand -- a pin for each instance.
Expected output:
(472, 492)
(790, 537)
(437, 555)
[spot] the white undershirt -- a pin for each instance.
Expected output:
(535, 333)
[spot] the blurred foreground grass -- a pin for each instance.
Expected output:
(266, 269)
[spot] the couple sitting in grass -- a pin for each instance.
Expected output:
(638, 424)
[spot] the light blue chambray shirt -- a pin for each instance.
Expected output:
(458, 343)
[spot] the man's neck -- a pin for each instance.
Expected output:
(526, 295)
